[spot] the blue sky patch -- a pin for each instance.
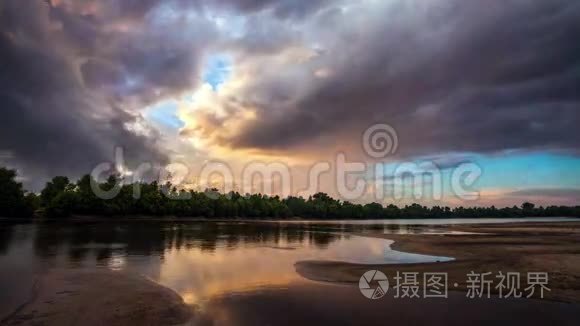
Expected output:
(217, 70)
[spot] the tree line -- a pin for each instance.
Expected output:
(62, 198)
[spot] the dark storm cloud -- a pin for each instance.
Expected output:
(75, 73)
(461, 76)
(141, 50)
(70, 82)
(450, 76)
(280, 8)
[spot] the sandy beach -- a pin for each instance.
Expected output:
(79, 297)
(523, 248)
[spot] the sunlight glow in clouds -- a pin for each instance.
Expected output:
(297, 82)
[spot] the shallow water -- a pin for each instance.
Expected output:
(209, 264)
(442, 221)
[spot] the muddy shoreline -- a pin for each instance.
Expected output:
(82, 297)
(525, 247)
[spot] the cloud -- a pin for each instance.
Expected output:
(450, 76)
(76, 74)
(280, 8)
(569, 193)
(307, 78)
(541, 196)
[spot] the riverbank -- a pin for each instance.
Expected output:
(78, 297)
(523, 248)
(386, 221)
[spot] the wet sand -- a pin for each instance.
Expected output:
(64, 297)
(325, 304)
(523, 248)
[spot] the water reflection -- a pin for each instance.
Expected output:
(102, 240)
(443, 221)
(225, 269)
(322, 304)
(5, 239)
(198, 260)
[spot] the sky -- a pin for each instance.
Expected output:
(298, 82)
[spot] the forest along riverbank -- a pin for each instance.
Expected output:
(521, 247)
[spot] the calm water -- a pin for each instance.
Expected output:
(243, 272)
(442, 221)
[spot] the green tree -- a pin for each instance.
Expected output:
(53, 188)
(63, 205)
(32, 201)
(528, 209)
(13, 202)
